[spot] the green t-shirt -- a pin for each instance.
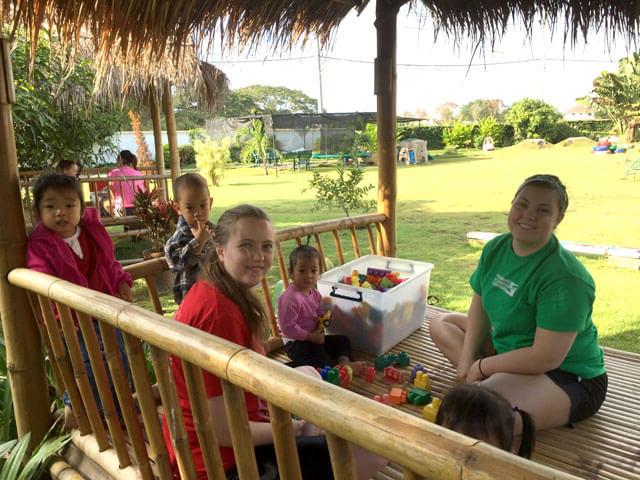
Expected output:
(550, 289)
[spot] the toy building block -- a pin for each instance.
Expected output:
(369, 374)
(333, 376)
(323, 371)
(418, 396)
(377, 272)
(403, 359)
(393, 375)
(345, 378)
(384, 398)
(416, 368)
(347, 280)
(355, 277)
(429, 412)
(386, 283)
(397, 396)
(366, 284)
(422, 381)
(381, 362)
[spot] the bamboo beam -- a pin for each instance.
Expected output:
(173, 412)
(154, 110)
(146, 400)
(385, 90)
(344, 468)
(172, 134)
(354, 242)
(336, 238)
(25, 362)
(238, 419)
(284, 441)
(282, 265)
(266, 296)
(202, 421)
(409, 475)
(146, 268)
(305, 230)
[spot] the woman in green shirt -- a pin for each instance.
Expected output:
(528, 334)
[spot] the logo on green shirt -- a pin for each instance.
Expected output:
(504, 284)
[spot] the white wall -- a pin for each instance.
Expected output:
(127, 140)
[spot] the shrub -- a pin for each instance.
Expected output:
(533, 118)
(432, 134)
(186, 153)
(459, 135)
(343, 192)
(211, 158)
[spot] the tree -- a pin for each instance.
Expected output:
(616, 96)
(533, 118)
(343, 192)
(446, 112)
(54, 114)
(260, 99)
(480, 109)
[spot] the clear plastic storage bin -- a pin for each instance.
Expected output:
(375, 321)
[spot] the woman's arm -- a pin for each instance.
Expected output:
(548, 351)
(476, 333)
(261, 432)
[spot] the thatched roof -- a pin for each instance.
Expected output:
(138, 28)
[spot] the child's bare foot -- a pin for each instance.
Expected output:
(70, 422)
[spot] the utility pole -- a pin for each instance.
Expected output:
(320, 101)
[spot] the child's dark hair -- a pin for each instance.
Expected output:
(128, 158)
(63, 165)
(478, 412)
(214, 272)
(302, 251)
(56, 181)
(191, 181)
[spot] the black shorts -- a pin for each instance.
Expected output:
(586, 395)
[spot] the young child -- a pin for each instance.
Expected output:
(189, 244)
(69, 167)
(69, 242)
(299, 309)
(222, 303)
(478, 412)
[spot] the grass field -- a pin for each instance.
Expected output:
(471, 191)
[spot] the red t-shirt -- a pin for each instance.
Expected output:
(208, 309)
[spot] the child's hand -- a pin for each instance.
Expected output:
(316, 337)
(298, 425)
(202, 233)
(124, 292)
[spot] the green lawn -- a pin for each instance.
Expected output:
(471, 191)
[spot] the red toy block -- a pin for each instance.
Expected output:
(393, 375)
(397, 396)
(369, 374)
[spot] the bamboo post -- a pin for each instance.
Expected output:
(144, 394)
(284, 275)
(354, 242)
(385, 90)
(238, 419)
(381, 245)
(372, 243)
(82, 380)
(104, 390)
(120, 381)
(153, 294)
(284, 442)
(173, 412)
(266, 294)
(336, 238)
(154, 110)
(61, 358)
(172, 135)
(344, 467)
(202, 421)
(25, 362)
(323, 263)
(409, 475)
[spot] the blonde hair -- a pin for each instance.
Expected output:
(214, 272)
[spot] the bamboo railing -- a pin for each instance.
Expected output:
(423, 449)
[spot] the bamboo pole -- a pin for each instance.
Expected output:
(146, 268)
(173, 413)
(172, 135)
(284, 442)
(336, 238)
(372, 243)
(307, 229)
(266, 297)
(154, 110)
(409, 475)
(344, 468)
(381, 244)
(25, 362)
(202, 421)
(354, 242)
(238, 419)
(385, 90)
(62, 359)
(282, 264)
(86, 392)
(298, 241)
(323, 263)
(120, 381)
(153, 294)
(104, 390)
(146, 400)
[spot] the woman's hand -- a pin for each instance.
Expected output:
(124, 292)
(473, 374)
(462, 371)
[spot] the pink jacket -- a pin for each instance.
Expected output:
(48, 253)
(126, 189)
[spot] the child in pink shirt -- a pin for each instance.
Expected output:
(299, 309)
(123, 193)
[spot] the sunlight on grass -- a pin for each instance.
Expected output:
(471, 191)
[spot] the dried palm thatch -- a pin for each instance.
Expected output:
(140, 30)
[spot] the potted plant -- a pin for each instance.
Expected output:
(158, 216)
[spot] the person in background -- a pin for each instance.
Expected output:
(194, 232)
(123, 192)
(69, 167)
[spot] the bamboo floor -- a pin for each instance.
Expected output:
(606, 446)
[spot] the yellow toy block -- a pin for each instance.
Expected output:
(431, 411)
(422, 381)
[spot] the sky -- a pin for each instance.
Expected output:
(429, 73)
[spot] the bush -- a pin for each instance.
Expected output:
(342, 192)
(432, 134)
(211, 158)
(533, 118)
(459, 135)
(186, 153)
